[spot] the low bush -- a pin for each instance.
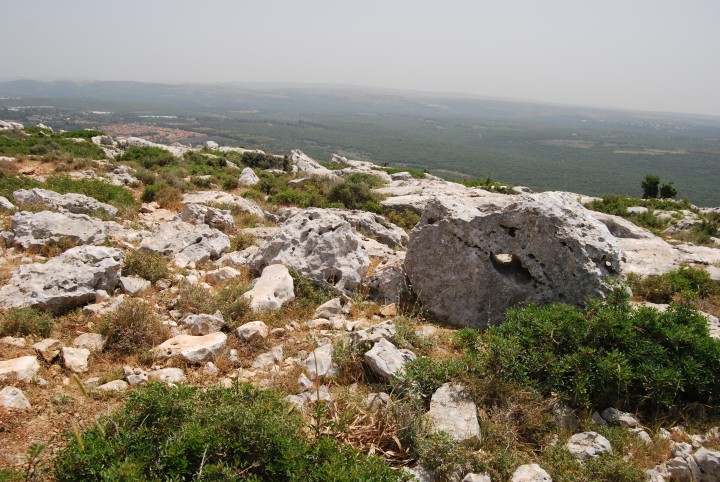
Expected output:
(187, 433)
(165, 195)
(406, 219)
(425, 374)
(258, 160)
(95, 188)
(609, 354)
(26, 321)
(683, 284)
(355, 192)
(132, 327)
(146, 264)
(147, 156)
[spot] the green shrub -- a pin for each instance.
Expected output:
(146, 264)
(148, 156)
(425, 374)
(355, 192)
(132, 327)
(188, 433)
(309, 294)
(42, 142)
(95, 188)
(231, 303)
(258, 160)
(406, 219)
(685, 283)
(26, 321)
(86, 134)
(163, 194)
(607, 355)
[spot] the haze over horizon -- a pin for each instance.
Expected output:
(648, 55)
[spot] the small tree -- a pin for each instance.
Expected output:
(668, 191)
(650, 186)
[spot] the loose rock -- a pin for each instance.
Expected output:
(453, 411)
(76, 359)
(587, 445)
(530, 473)
(11, 397)
(192, 349)
(254, 331)
(386, 360)
(48, 349)
(73, 203)
(273, 289)
(23, 369)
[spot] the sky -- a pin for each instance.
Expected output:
(657, 55)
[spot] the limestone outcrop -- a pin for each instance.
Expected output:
(542, 247)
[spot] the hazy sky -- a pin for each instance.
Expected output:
(636, 54)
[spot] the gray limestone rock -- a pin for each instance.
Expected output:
(24, 369)
(72, 202)
(386, 360)
(75, 359)
(320, 246)
(453, 411)
(530, 473)
(192, 349)
(221, 219)
(248, 178)
(587, 445)
(273, 289)
(35, 230)
(11, 397)
(65, 281)
(187, 243)
(541, 248)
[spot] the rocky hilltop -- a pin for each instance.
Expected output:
(343, 287)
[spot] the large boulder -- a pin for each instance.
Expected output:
(65, 281)
(35, 230)
(468, 265)
(187, 243)
(273, 289)
(320, 246)
(72, 202)
(453, 411)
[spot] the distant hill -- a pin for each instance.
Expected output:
(546, 147)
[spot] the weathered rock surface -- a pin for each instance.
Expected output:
(476, 478)
(329, 309)
(11, 397)
(273, 289)
(304, 163)
(586, 445)
(269, 358)
(187, 243)
(453, 411)
(622, 228)
(133, 285)
(92, 341)
(253, 331)
(543, 248)
(6, 204)
(386, 360)
(167, 375)
(221, 219)
(222, 198)
(383, 331)
(23, 369)
(65, 281)
(203, 324)
(192, 349)
(113, 386)
(320, 363)
(72, 202)
(708, 463)
(222, 275)
(35, 230)
(385, 281)
(530, 473)
(75, 359)
(248, 177)
(320, 246)
(614, 416)
(48, 349)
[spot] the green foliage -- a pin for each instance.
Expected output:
(355, 192)
(86, 134)
(147, 156)
(309, 294)
(668, 191)
(617, 205)
(26, 321)
(406, 219)
(132, 327)
(187, 433)
(162, 193)
(41, 142)
(425, 374)
(650, 186)
(95, 188)
(257, 160)
(685, 283)
(146, 264)
(608, 355)
(232, 304)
